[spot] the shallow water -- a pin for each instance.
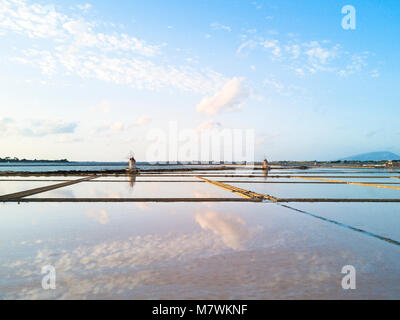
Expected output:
(186, 250)
(7, 187)
(80, 166)
(311, 190)
(202, 250)
(137, 190)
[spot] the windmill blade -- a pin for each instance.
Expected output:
(131, 154)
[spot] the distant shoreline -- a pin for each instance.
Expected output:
(12, 160)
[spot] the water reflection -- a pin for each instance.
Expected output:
(189, 250)
(232, 229)
(100, 215)
(132, 180)
(134, 256)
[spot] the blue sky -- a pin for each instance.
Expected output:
(88, 80)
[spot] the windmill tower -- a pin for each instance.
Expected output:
(265, 163)
(132, 162)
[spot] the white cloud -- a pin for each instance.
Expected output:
(109, 128)
(309, 57)
(84, 36)
(274, 46)
(375, 73)
(33, 20)
(84, 7)
(319, 54)
(294, 50)
(74, 47)
(6, 125)
(358, 62)
(42, 59)
(246, 46)
(271, 84)
(232, 96)
(115, 127)
(257, 5)
(218, 26)
(274, 83)
(299, 71)
(39, 128)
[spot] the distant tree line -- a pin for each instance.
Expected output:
(15, 159)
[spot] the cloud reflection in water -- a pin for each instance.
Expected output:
(232, 229)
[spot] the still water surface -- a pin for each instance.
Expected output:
(194, 250)
(204, 250)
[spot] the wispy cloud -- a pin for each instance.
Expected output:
(45, 127)
(43, 59)
(273, 45)
(36, 127)
(375, 73)
(246, 46)
(231, 97)
(219, 26)
(356, 65)
(75, 47)
(320, 55)
(282, 88)
(108, 128)
(6, 125)
(308, 57)
(84, 7)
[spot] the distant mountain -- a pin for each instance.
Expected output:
(374, 156)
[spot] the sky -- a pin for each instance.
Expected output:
(91, 80)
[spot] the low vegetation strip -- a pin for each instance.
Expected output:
(241, 192)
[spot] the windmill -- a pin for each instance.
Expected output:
(265, 163)
(132, 161)
(131, 154)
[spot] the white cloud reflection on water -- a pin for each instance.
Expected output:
(138, 254)
(99, 215)
(200, 252)
(231, 228)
